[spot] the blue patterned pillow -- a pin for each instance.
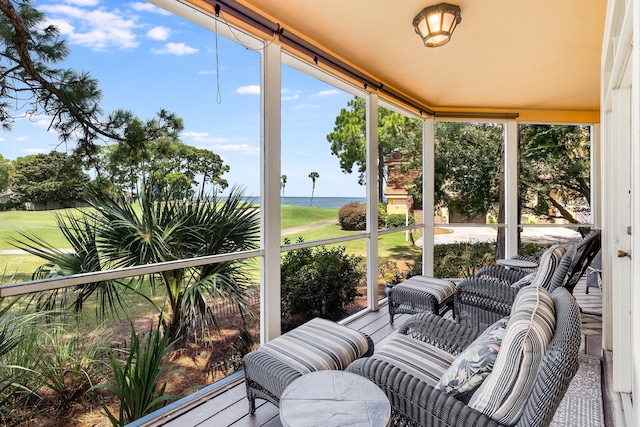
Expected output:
(475, 363)
(525, 281)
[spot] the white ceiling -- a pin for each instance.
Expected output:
(509, 55)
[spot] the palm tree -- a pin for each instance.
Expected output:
(313, 176)
(117, 234)
(283, 182)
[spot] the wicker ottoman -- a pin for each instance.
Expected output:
(316, 345)
(420, 294)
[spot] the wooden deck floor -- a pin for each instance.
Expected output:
(225, 403)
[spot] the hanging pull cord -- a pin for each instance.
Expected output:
(218, 93)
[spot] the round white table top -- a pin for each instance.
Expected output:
(332, 399)
(517, 263)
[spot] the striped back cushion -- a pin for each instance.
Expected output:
(548, 263)
(560, 275)
(416, 357)
(317, 345)
(504, 393)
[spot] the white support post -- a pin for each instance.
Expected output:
(511, 188)
(428, 194)
(596, 177)
(270, 110)
(372, 200)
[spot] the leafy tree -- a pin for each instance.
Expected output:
(554, 170)
(117, 234)
(32, 84)
(283, 183)
(168, 165)
(53, 177)
(468, 159)
(313, 176)
(5, 167)
(395, 133)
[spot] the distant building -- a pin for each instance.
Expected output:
(399, 201)
(5, 196)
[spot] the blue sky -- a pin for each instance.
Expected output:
(147, 59)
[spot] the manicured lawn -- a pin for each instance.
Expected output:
(295, 216)
(39, 223)
(43, 223)
(14, 268)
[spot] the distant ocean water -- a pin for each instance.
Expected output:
(318, 202)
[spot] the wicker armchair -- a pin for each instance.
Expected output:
(481, 300)
(416, 403)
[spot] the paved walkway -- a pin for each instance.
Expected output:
(542, 235)
(303, 228)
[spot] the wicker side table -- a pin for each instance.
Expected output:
(419, 294)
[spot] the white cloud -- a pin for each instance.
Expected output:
(63, 26)
(206, 72)
(192, 134)
(222, 144)
(148, 7)
(35, 150)
(176, 49)
(306, 107)
(83, 2)
(245, 149)
(42, 123)
(288, 95)
(159, 33)
(327, 92)
(21, 138)
(2, 139)
(96, 29)
(249, 90)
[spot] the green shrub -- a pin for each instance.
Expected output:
(399, 220)
(532, 249)
(319, 282)
(67, 364)
(353, 217)
(137, 379)
(457, 260)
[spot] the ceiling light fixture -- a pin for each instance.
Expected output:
(435, 24)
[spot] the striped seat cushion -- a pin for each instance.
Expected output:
(318, 345)
(549, 261)
(416, 357)
(504, 393)
(441, 289)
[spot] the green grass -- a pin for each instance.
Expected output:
(41, 223)
(16, 268)
(393, 244)
(295, 216)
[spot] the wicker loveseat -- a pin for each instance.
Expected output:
(428, 342)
